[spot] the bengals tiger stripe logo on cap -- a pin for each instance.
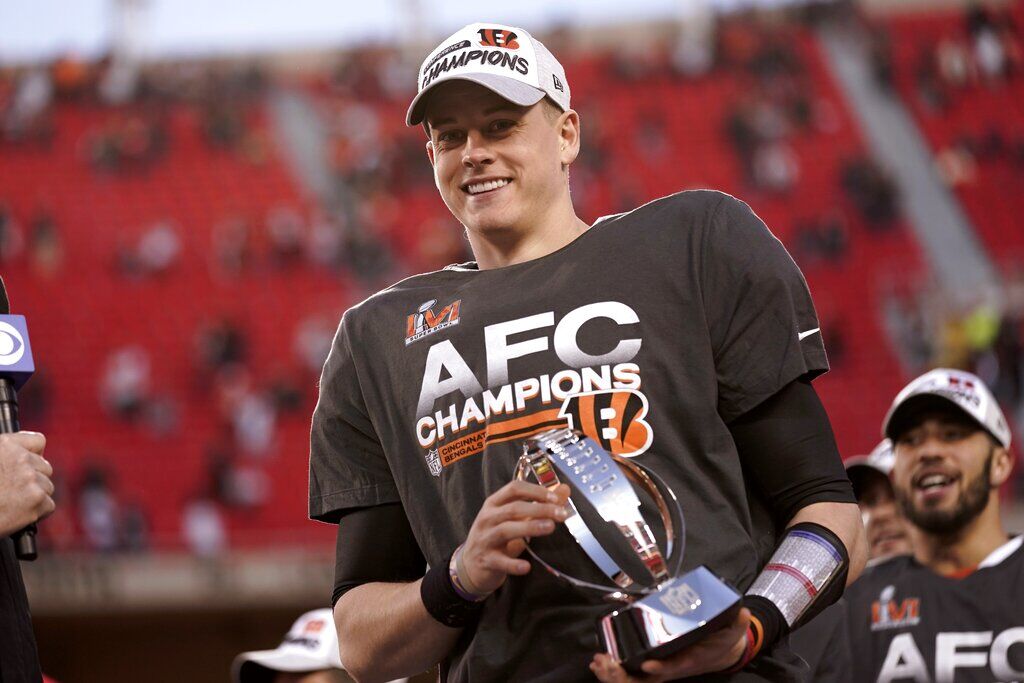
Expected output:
(498, 37)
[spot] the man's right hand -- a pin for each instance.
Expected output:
(26, 491)
(515, 512)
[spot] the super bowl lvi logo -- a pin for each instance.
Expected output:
(434, 462)
(886, 613)
(425, 322)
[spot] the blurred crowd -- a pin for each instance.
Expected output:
(247, 405)
(980, 53)
(984, 335)
(38, 240)
(984, 50)
(135, 133)
(987, 52)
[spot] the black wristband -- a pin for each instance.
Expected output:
(442, 602)
(767, 618)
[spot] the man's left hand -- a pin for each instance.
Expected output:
(717, 652)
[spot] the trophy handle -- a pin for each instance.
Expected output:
(593, 472)
(675, 529)
(547, 477)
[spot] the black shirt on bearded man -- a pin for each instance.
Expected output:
(649, 332)
(910, 624)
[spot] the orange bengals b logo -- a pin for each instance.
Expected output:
(498, 37)
(614, 418)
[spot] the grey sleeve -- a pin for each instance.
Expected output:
(763, 327)
(347, 466)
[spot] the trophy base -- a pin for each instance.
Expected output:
(684, 611)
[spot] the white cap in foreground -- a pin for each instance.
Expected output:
(310, 645)
(962, 389)
(505, 59)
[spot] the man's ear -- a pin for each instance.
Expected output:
(569, 134)
(1002, 465)
(433, 164)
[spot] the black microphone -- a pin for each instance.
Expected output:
(16, 366)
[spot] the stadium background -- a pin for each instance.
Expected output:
(183, 228)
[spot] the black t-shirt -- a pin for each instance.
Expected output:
(907, 623)
(19, 661)
(824, 644)
(649, 332)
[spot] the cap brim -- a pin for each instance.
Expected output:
(913, 407)
(514, 91)
(254, 667)
(862, 472)
(859, 461)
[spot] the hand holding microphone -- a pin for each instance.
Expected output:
(26, 491)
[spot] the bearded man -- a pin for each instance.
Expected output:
(954, 609)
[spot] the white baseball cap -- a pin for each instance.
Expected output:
(505, 59)
(861, 469)
(310, 645)
(964, 390)
(881, 459)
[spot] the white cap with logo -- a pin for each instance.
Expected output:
(964, 390)
(505, 59)
(310, 645)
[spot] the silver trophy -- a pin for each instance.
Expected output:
(663, 613)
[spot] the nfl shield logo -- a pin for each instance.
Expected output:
(434, 462)
(681, 599)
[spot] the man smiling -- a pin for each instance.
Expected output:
(681, 334)
(501, 200)
(951, 611)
